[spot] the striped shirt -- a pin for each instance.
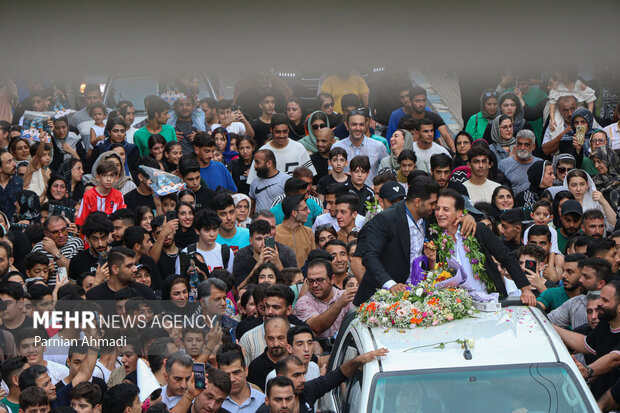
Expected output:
(69, 250)
(94, 201)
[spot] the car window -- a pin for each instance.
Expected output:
(516, 388)
(354, 398)
(349, 350)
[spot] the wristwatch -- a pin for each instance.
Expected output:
(590, 373)
(58, 255)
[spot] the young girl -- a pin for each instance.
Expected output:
(98, 112)
(67, 145)
(172, 153)
(223, 143)
(406, 160)
(156, 145)
(144, 216)
(38, 173)
(566, 82)
(240, 167)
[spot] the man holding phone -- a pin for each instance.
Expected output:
(263, 248)
(179, 370)
(531, 260)
(232, 120)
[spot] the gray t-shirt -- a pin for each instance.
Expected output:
(516, 172)
(264, 191)
(571, 314)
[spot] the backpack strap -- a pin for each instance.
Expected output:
(225, 255)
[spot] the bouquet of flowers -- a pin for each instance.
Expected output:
(426, 304)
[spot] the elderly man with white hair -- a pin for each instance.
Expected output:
(515, 168)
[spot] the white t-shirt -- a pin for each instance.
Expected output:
(424, 156)
(56, 371)
(213, 259)
(102, 371)
(169, 401)
(554, 239)
(481, 193)
(235, 127)
(294, 154)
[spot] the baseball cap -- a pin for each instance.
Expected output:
(392, 191)
(512, 216)
(572, 207)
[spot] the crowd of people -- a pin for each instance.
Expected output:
(292, 214)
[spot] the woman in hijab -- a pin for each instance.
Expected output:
(510, 104)
(401, 139)
(123, 183)
(607, 181)
(583, 188)
(503, 139)
(570, 142)
(314, 123)
(488, 111)
(175, 296)
(462, 142)
(243, 204)
(540, 175)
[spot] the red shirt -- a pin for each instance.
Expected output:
(94, 201)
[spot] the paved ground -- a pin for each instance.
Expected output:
(444, 96)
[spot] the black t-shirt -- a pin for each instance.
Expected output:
(237, 168)
(166, 264)
(432, 116)
(183, 238)
(249, 323)
(84, 261)
(250, 98)
(105, 296)
(321, 165)
(601, 341)
(134, 199)
(365, 195)
(262, 131)
(511, 245)
(327, 180)
(203, 197)
(27, 323)
(259, 368)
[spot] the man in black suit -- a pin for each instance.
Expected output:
(394, 237)
(450, 207)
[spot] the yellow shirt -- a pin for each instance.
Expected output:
(337, 87)
(300, 240)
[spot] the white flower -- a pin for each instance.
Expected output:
(471, 342)
(419, 292)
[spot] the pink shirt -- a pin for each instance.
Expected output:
(308, 306)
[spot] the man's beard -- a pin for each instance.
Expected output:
(607, 315)
(262, 172)
(276, 351)
(524, 155)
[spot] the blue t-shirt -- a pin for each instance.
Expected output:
(216, 175)
(315, 211)
(240, 240)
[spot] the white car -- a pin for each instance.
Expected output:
(517, 362)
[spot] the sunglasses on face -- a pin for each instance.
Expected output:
(490, 95)
(564, 169)
(319, 126)
(327, 105)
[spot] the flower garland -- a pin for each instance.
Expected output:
(422, 305)
(473, 251)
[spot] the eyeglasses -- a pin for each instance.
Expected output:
(319, 126)
(317, 281)
(56, 233)
(563, 169)
(327, 105)
(506, 127)
(490, 94)
(364, 111)
(598, 141)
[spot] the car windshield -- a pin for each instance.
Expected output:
(533, 388)
(136, 88)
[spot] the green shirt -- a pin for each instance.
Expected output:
(562, 241)
(552, 298)
(14, 407)
(142, 135)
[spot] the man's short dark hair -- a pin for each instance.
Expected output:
(97, 221)
(12, 289)
(35, 258)
(592, 214)
(441, 160)
(574, 257)
(281, 291)
(407, 154)
(282, 364)
(279, 381)
(219, 379)
(278, 119)
(203, 139)
(38, 291)
(117, 255)
(158, 351)
(424, 121)
(416, 91)
(187, 165)
(32, 397)
(229, 357)
(478, 150)
(92, 87)
(260, 226)
(292, 186)
(119, 397)
(601, 267)
(125, 214)
(28, 377)
(360, 161)
(350, 100)
(221, 201)
(134, 235)
(156, 105)
(290, 203)
(351, 200)
(533, 250)
(211, 103)
(600, 246)
(321, 262)
(11, 367)
(422, 187)
(181, 358)
(459, 201)
(337, 151)
(296, 330)
(269, 156)
(540, 230)
(87, 391)
(206, 219)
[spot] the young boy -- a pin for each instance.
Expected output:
(337, 163)
(37, 266)
(32, 348)
(34, 400)
(193, 341)
(86, 398)
(542, 215)
(320, 159)
(189, 168)
(359, 170)
(103, 197)
(262, 125)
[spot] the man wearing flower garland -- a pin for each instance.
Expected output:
(475, 253)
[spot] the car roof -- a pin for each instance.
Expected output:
(513, 335)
